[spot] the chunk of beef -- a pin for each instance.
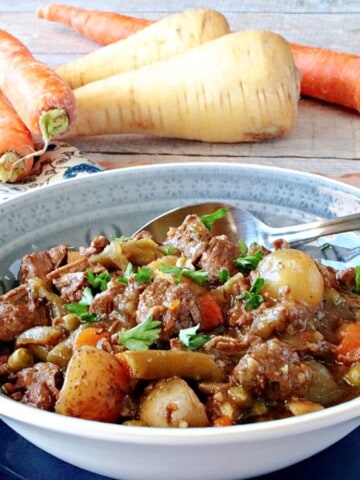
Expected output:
(97, 245)
(176, 306)
(39, 264)
(18, 312)
(219, 254)
(70, 279)
(346, 278)
(103, 302)
(190, 238)
(37, 386)
(274, 368)
(126, 302)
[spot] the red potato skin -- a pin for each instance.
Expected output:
(31, 86)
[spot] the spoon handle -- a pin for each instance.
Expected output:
(298, 233)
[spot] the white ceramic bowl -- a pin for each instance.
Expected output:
(119, 202)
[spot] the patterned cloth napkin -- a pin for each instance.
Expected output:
(60, 162)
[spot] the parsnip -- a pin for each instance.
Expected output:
(161, 40)
(242, 86)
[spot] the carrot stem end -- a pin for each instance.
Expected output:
(11, 165)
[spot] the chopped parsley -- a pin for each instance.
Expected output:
(142, 336)
(198, 276)
(191, 339)
(224, 275)
(247, 262)
(142, 275)
(252, 297)
(81, 308)
(243, 247)
(209, 219)
(98, 281)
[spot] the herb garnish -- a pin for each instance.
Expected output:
(81, 308)
(98, 281)
(209, 219)
(224, 275)
(198, 276)
(142, 275)
(249, 262)
(252, 297)
(191, 339)
(142, 336)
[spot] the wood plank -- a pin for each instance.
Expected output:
(56, 44)
(140, 6)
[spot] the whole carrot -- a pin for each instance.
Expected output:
(43, 101)
(102, 26)
(329, 75)
(16, 145)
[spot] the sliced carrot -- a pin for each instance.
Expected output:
(210, 312)
(43, 101)
(16, 145)
(348, 350)
(102, 26)
(223, 421)
(329, 75)
(90, 336)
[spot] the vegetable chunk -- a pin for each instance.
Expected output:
(243, 86)
(164, 39)
(94, 386)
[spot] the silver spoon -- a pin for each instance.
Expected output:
(241, 224)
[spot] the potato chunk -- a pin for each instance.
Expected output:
(94, 386)
(172, 403)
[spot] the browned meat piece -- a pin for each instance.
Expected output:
(71, 285)
(18, 313)
(346, 278)
(310, 342)
(39, 264)
(219, 254)
(70, 279)
(226, 345)
(103, 303)
(97, 245)
(175, 305)
(275, 368)
(4, 367)
(190, 238)
(37, 386)
(126, 302)
(329, 275)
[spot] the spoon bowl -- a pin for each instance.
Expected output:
(241, 224)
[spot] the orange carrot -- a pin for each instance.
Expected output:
(16, 145)
(43, 101)
(329, 75)
(210, 312)
(89, 336)
(223, 421)
(101, 26)
(348, 350)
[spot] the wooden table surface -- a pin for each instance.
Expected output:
(326, 139)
